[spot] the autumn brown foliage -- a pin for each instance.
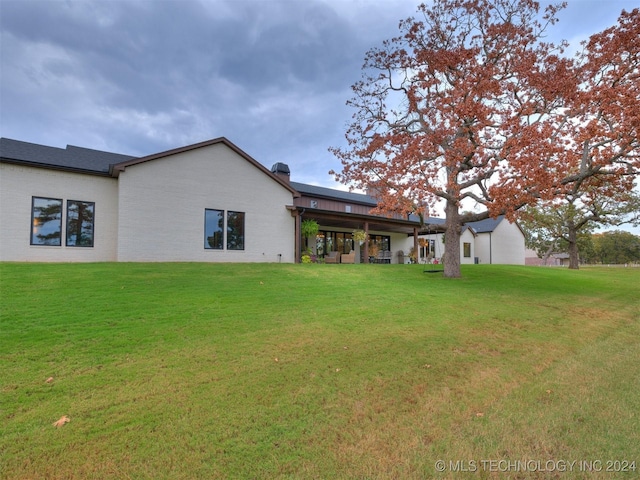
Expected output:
(469, 104)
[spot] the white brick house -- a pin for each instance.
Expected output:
(155, 208)
(208, 202)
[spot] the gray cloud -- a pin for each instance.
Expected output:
(138, 77)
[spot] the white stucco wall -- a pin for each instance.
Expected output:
(18, 184)
(467, 237)
(505, 245)
(399, 241)
(163, 201)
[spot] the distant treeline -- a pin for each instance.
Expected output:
(615, 247)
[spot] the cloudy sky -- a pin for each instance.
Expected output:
(143, 76)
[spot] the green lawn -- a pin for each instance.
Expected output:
(318, 371)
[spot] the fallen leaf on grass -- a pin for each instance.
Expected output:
(479, 414)
(63, 419)
(49, 380)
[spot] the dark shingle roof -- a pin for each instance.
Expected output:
(487, 225)
(428, 220)
(334, 193)
(71, 158)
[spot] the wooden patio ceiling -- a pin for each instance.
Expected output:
(352, 221)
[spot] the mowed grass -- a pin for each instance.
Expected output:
(220, 371)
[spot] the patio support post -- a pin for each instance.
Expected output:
(416, 246)
(365, 254)
(298, 235)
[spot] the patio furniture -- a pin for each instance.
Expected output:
(384, 257)
(331, 257)
(348, 257)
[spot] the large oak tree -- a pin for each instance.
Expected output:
(469, 103)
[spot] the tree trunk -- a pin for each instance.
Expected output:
(574, 259)
(547, 254)
(452, 241)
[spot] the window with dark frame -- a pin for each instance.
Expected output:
(80, 221)
(467, 249)
(213, 229)
(380, 243)
(46, 221)
(328, 241)
(235, 230)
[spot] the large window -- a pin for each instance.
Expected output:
(46, 221)
(466, 247)
(334, 241)
(328, 241)
(80, 223)
(380, 243)
(214, 229)
(235, 230)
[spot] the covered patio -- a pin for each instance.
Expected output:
(374, 226)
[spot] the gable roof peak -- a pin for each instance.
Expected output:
(121, 167)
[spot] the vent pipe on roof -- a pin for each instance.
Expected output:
(281, 170)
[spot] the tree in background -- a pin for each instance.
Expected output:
(562, 224)
(587, 248)
(542, 231)
(445, 110)
(617, 247)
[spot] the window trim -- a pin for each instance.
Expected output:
(226, 230)
(93, 224)
(207, 245)
(229, 230)
(33, 222)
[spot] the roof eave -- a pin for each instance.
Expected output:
(62, 168)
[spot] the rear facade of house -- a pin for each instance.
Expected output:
(207, 202)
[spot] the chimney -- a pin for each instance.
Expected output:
(281, 170)
(373, 191)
